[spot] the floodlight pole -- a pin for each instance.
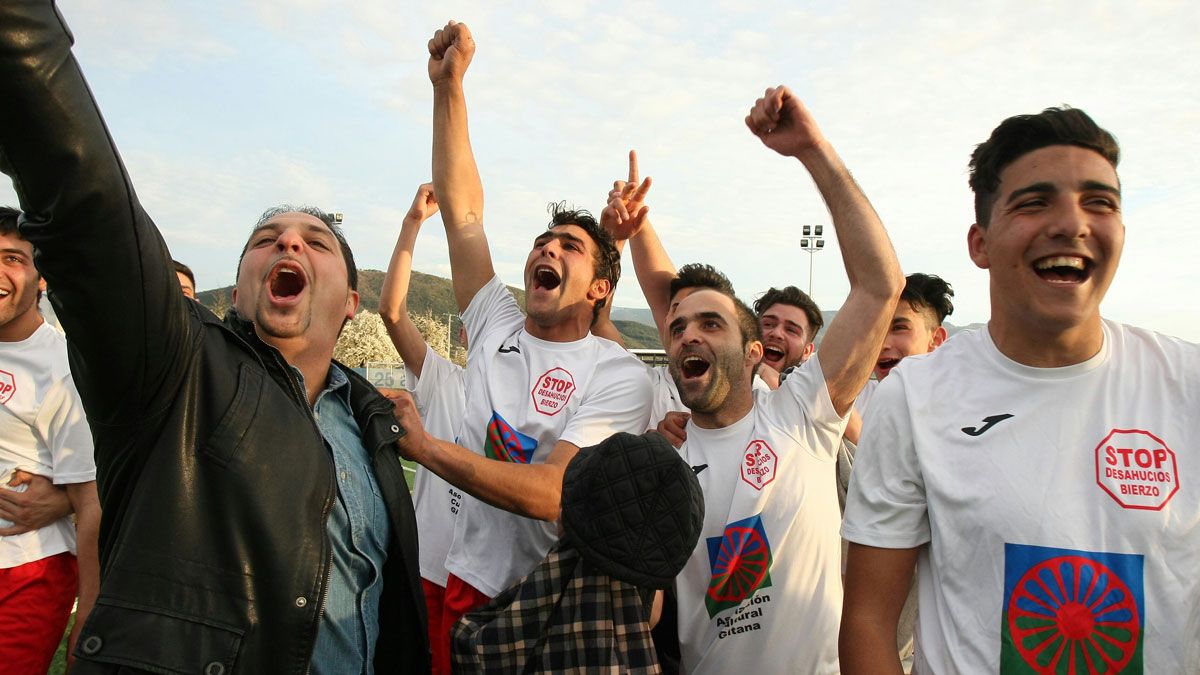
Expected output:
(812, 241)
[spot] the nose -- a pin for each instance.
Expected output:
(1072, 221)
(289, 241)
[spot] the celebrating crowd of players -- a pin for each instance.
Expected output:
(1027, 488)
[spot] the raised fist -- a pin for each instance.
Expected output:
(626, 210)
(783, 124)
(424, 204)
(450, 52)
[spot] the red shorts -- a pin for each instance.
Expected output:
(35, 603)
(435, 597)
(461, 598)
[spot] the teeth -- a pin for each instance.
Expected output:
(693, 361)
(1060, 261)
(285, 270)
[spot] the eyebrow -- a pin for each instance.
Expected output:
(311, 228)
(547, 236)
(683, 320)
(786, 322)
(14, 250)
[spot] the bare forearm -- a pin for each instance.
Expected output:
(460, 193)
(455, 175)
(654, 271)
(868, 648)
(393, 301)
(531, 490)
(867, 252)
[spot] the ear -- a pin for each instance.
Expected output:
(600, 289)
(939, 336)
(351, 304)
(42, 284)
(234, 299)
(754, 351)
(977, 246)
(808, 352)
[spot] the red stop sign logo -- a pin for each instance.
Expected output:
(758, 464)
(1137, 469)
(8, 386)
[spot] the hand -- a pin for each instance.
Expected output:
(626, 210)
(769, 375)
(413, 439)
(424, 205)
(783, 124)
(673, 427)
(38, 506)
(450, 52)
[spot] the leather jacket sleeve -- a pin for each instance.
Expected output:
(104, 261)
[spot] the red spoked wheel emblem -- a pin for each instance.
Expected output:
(1072, 614)
(741, 565)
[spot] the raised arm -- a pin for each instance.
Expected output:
(393, 297)
(108, 269)
(626, 216)
(455, 175)
(853, 340)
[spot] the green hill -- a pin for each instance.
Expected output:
(435, 295)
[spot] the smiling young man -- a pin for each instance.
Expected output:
(790, 321)
(539, 385)
(916, 328)
(43, 432)
(1039, 473)
(255, 513)
(762, 592)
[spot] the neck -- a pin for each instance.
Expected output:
(312, 361)
(21, 327)
(735, 406)
(568, 330)
(1047, 346)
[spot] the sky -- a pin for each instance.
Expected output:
(223, 108)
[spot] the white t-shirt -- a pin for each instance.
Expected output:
(525, 394)
(864, 397)
(43, 430)
(440, 396)
(762, 592)
(1055, 501)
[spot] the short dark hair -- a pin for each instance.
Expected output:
(324, 217)
(186, 271)
(8, 220)
(790, 295)
(607, 261)
(929, 291)
(1022, 134)
(699, 275)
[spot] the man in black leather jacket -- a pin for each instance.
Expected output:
(216, 479)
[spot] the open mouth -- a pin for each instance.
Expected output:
(544, 277)
(1063, 269)
(693, 367)
(4, 293)
(886, 365)
(286, 281)
(773, 354)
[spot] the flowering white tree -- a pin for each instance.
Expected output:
(434, 332)
(364, 339)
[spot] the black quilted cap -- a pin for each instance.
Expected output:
(632, 507)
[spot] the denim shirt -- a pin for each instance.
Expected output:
(358, 531)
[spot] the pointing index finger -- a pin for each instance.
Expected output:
(633, 167)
